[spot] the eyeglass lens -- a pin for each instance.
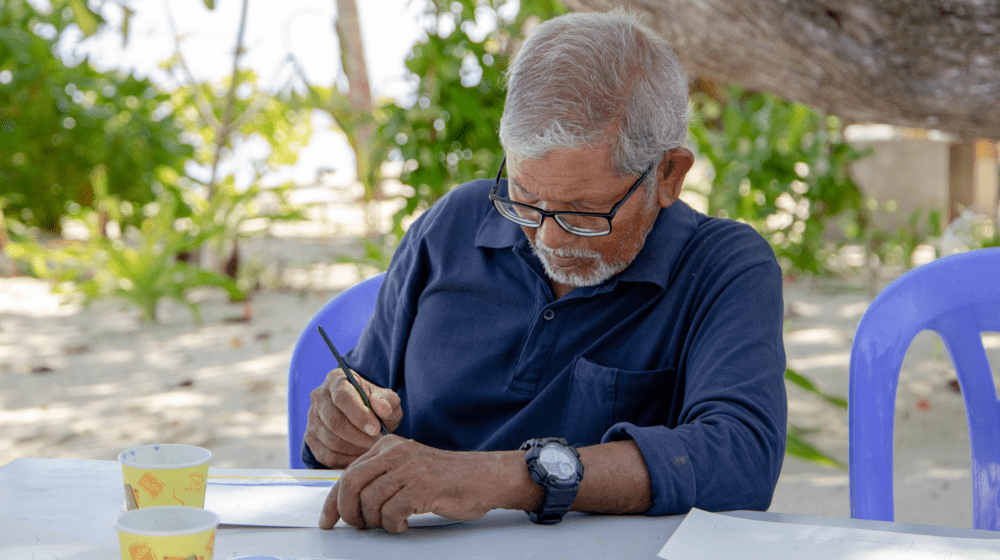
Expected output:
(580, 225)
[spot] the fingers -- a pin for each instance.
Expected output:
(398, 478)
(338, 418)
(328, 449)
(395, 512)
(382, 505)
(358, 497)
(330, 515)
(368, 487)
(376, 497)
(330, 426)
(387, 405)
(362, 425)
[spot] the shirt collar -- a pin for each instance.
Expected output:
(673, 227)
(497, 232)
(671, 231)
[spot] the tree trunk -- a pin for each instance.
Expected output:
(919, 63)
(6, 264)
(352, 57)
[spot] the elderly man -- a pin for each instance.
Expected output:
(571, 336)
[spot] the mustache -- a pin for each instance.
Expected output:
(562, 252)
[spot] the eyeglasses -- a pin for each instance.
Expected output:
(584, 224)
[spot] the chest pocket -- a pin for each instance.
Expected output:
(599, 397)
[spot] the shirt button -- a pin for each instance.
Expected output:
(549, 315)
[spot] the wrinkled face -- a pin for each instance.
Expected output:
(580, 180)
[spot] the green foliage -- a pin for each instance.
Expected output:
(970, 231)
(146, 263)
(60, 121)
(896, 247)
(219, 124)
(448, 136)
(356, 125)
(807, 385)
(795, 441)
(797, 446)
(116, 159)
(202, 110)
(779, 166)
(85, 19)
(142, 265)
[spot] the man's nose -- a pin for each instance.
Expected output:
(552, 234)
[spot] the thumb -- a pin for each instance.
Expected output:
(386, 403)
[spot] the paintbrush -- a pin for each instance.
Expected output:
(351, 378)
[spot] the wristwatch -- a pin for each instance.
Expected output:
(556, 466)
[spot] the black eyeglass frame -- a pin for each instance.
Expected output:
(555, 215)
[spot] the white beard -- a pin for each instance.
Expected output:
(601, 270)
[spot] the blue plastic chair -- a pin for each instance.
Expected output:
(343, 318)
(958, 297)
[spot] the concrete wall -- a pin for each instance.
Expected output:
(903, 174)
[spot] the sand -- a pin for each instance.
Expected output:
(88, 383)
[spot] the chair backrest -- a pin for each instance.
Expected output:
(958, 297)
(343, 318)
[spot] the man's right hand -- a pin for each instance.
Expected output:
(341, 428)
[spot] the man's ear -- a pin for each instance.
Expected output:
(670, 175)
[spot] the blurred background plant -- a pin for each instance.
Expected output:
(115, 170)
(60, 119)
(781, 167)
(447, 134)
(139, 263)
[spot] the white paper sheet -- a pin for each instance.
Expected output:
(709, 536)
(285, 498)
(23, 541)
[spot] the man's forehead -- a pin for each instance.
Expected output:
(595, 160)
(567, 175)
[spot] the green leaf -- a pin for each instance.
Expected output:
(806, 384)
(126, 22)
(210, 4)
(798, 447)
(85, 19)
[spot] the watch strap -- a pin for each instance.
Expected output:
(556, 504)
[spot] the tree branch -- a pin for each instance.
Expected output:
(226, 128)
(204, 107)
(928, 64)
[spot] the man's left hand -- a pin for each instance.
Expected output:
(398, 478)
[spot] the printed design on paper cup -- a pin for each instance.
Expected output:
(151, 484)
(196, 482)
(192, 557)
(210, 545)
(141, 551)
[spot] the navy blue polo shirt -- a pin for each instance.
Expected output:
(680, 352)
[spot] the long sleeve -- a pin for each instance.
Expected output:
(726, 449)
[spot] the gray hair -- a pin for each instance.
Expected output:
(595, 79)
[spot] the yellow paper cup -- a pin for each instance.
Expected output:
(167, 532)
(165, 475)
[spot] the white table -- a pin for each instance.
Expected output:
(78, 501)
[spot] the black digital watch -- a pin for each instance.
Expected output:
(556, 466)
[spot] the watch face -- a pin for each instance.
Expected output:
(557, 461)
